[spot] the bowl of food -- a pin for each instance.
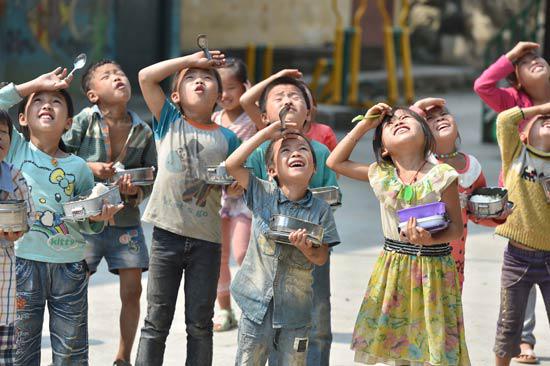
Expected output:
(330, 195)
(488, 202)
(545, 181)
(430, 216)
(13, 216)
(139, 176)
(280, 227)
(91, 203)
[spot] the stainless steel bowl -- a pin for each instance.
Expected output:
(280, 227)
(13, 216)
(492, 208)
(545, 181)
(139, 176)
(330, 195)
(82, 207)
(218, 175)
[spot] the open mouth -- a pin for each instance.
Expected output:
(442, 126)
(537, 67)
(296, 164)
(120, 85)
(546, 123)
(399, 130)
(199, 88)
(45, 116)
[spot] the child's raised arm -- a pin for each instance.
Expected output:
(339, 160)
(235, 161)
(151, 76)
(251, 96)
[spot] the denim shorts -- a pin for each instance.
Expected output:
(122, 247)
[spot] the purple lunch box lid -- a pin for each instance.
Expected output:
(429, 209)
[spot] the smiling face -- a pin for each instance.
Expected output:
(232, 90)
(443, 126)
(5, 139)
(538, 133)
(532, 69)
(197, 90)
(46, 113)
(109, 85)
(283, 94)
(402, 131)
(293, 160)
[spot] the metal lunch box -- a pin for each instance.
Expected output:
(280, 227)
(330, 195)
(13, 216)
(217, 175)
(492, 208)
(139, 176)
(545, 181)
(82, 207)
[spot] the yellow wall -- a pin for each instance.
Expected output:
(282, 23)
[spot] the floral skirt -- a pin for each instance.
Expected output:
(411, 313)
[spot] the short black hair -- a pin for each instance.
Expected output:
(238, 68)
(269, 153)
(87, 76)
(70, 113)
(429, 140)
(6, 120)
(175, 78)
(283, 80)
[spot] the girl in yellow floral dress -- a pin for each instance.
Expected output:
(412, 311)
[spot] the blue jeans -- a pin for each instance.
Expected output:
(64, 286)
(171, 256)
(320, 336)
(284, 346)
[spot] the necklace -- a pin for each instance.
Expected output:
(408, 191)
(446, 156)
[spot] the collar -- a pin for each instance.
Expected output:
(6, 181)
(537, 152)
(136, 120)
(306, 201)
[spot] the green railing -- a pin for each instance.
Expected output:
(527, 25)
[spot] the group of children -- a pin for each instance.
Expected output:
(412, 310)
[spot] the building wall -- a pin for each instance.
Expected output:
(282, 23)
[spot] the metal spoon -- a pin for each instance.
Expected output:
(282, 115)
(78, 63)
(202, 42)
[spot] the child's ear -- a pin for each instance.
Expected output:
(265, 120)
(22, 119)
(523, 136)
(68, 124)
(271, 171)
(175, 97)
(384, 152)
(92, 96)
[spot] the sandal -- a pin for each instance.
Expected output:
(225, 321)
(527, 356)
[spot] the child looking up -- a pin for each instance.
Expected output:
(12, 187)
(236, 217)
(470, 175)
(412, 310)
(183, 208)
(525, 163)
(276, 314)
(104, 134)
(50, 258)
(271, 95)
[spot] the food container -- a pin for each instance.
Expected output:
(432, 224)
(218, 175)
(280, 227)
(431, 216)
(82, 207)
(139, 176)
(488, 202)
(13, 216)
(330, 195)
(545, 181)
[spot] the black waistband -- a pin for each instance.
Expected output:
(438, 250)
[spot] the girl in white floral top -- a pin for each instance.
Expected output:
(412, 312)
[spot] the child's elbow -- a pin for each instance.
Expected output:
(144, 76)
(331, 163)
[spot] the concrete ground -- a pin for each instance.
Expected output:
(352, 262)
